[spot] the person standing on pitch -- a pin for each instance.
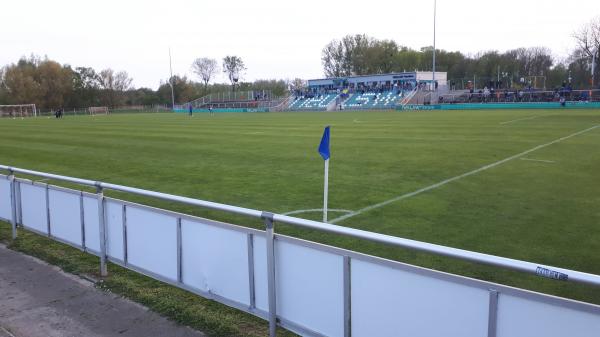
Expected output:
(210, 111)
(191, 110)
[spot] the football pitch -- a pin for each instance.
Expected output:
(522, 184)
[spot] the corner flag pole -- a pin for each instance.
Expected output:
(325, 153)
(325, 190)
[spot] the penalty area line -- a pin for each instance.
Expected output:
(444, 182)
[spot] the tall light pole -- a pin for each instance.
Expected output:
(594, 66)
(170, 82)
(434, 17)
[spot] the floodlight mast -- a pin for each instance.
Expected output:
(594, 66)
(170, 82)
(434, 17)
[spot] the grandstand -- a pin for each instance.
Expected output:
(228, 101)
(382, 91)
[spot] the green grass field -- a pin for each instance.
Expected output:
(541, 207)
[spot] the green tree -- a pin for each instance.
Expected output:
(86, 87)
(19, 82)
(55, 83)
(183, 89)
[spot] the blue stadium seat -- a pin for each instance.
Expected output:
(373, 100)
(319, 102)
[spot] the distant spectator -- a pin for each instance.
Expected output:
(486, 93)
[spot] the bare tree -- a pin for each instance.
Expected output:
(534, 60)
(205, 68)
(588, 46)
(297, 84)
(588, 37)
(114, 85)
(233, 66)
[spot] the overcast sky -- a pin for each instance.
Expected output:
(275, 38)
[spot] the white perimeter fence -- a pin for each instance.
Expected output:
(309, 288)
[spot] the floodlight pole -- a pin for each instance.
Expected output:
(170, 82)
(434, 17)
(594, 66)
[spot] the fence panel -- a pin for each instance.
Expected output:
(5, 207)
(393, 302)
(301, 274)
(114, 229)
(90, 224)
(261, 285)
(152, 241)
(34, 208)
(522, 317)
(215, 260)
(65, 216)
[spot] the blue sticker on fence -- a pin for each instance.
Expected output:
(555, 275)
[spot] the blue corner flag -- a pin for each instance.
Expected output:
(324, 146)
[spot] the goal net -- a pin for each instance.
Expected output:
(18, 110)
(98, 110)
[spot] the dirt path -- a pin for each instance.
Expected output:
(39, 300)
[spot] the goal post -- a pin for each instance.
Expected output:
(18, 110)
(98, 110)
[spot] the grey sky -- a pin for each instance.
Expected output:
(276, 39)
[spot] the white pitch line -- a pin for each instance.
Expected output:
(539, 160)
(8, 333)
(520, 119)
(317, 210)
(444, 182)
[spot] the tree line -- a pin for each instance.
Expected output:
(51, 85)
(363, 55)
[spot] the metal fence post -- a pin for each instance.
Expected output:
(493, 313)
(48, 225)
(102, 228)
(347, 296)
(270, 237)
(13, 204)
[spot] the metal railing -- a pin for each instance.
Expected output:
(235, 99)
(523, 266)
(113, 110)
(270, 219)
(521, 96)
